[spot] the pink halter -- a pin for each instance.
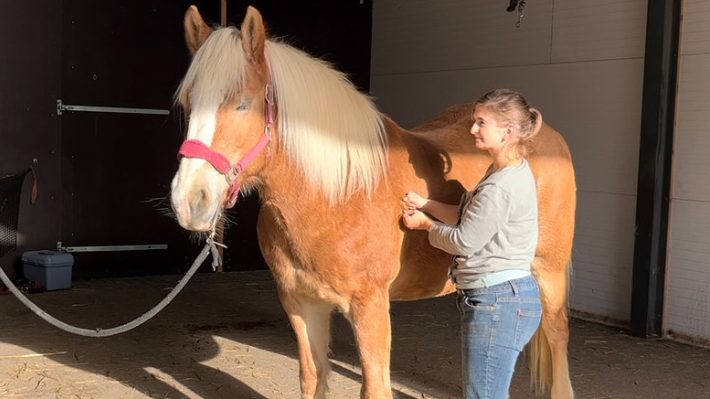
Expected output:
(198, 149)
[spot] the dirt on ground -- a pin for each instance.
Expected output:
(226, 336)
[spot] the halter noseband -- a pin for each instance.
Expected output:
(232, 172)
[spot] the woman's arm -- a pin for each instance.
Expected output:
(446, 213)
(481, 219)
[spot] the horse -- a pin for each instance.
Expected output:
(330, 171)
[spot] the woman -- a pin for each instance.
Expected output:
(492, 235)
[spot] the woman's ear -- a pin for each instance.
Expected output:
(509, 130)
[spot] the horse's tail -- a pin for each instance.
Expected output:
(540, 362)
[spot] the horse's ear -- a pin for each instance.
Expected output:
(253, 35)
(196, 30)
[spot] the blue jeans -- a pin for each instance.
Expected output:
(496, 324)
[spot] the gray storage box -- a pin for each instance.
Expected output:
(51, 268)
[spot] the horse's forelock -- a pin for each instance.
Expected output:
(217, 71)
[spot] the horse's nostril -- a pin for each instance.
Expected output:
(199, 203)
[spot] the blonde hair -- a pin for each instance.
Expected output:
(511, 107)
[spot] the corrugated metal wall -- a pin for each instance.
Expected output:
(687, 310)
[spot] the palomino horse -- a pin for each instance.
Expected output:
(331, 172)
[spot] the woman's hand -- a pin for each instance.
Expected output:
(414, 201)
(416, 220)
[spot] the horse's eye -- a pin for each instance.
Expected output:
(244, 103)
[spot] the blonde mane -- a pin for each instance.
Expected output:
(333, 132)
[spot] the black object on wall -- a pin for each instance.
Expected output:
(10, 194)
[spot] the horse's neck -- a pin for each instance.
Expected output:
(281, 179)
(285, 189)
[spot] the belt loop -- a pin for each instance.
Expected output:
(514, 286)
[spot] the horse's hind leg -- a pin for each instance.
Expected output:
(555, 325)
(311, 323)
(370, 318)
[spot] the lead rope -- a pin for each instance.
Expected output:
(210, 246)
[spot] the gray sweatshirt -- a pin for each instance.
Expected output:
(497, 230)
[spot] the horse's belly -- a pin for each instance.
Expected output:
(424, 271)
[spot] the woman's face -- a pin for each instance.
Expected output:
(489, 134)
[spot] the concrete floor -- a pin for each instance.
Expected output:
(226, 336)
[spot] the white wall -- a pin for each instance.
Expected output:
(687, 311)
(581, 63)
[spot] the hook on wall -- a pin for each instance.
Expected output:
(518, 5)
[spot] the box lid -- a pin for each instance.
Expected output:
(48, 258)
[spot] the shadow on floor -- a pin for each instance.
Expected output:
(226, 336)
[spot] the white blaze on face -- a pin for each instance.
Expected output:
(196, 178)
(203, 123)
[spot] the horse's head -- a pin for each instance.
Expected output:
(224, 93)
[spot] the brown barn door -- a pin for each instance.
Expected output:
(121, 57)
(117, 166)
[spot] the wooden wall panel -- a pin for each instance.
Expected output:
(30, 83)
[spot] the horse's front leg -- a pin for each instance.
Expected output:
(311, 323)
(370, 318)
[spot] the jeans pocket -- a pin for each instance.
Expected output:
(477, 303)
(528, 321)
